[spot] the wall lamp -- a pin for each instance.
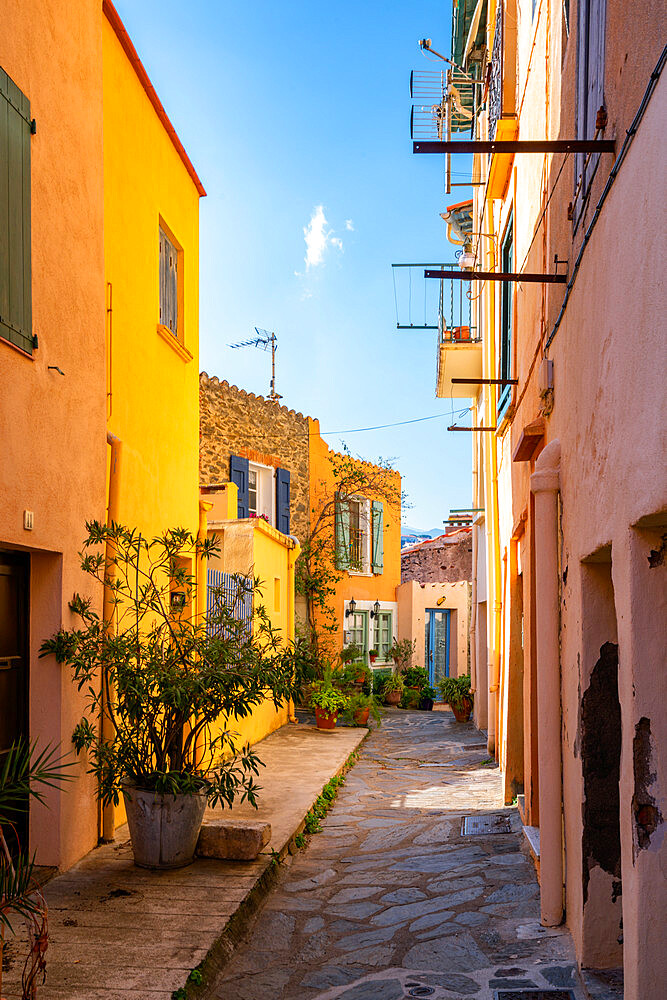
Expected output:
(351, 607)
(376, 610)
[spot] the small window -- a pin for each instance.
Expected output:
(252, 491)
(169, 317)
(506, 317)
(352, 535)
(357, 626)
(383, 635)
(591, 27)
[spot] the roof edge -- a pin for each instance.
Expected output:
(120, 31)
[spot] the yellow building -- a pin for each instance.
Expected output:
(254, 549)
(151, 258)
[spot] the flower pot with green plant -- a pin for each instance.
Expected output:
(456, 692)
(392, 689)
(427, 698)
(361, 707)
(328, 702)
(415, 677)
(372, 655)
(350, 653)
(356, 675)
(159, 729)
(401, 652)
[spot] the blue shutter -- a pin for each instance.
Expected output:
(238, 473)
(282, 500)
(377, 522)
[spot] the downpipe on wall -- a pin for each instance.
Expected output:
(115, 465)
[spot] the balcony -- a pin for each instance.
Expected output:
(356, 549)
(503, 122)
(459, 356)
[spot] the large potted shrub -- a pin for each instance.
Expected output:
(360, 707)
(401, 652)
(165, 686)
(456, 692)
(393, 689)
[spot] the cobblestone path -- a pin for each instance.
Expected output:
(390, 900)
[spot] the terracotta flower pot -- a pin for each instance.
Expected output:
(463, 710)
(372, 658)
(325, 720)
(361, 717)
(392, 697)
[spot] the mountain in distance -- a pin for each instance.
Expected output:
(428, 532)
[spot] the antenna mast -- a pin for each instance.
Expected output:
(265, 339)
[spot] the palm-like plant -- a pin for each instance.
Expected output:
(25, 772)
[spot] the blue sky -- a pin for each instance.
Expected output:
(296, 117)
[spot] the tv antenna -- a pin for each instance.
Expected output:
(265, 339)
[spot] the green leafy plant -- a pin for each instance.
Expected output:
(379, 677)
(427, 693)
(373, 652)
(351, 653)
(173, 682)
(415, 677)
(359, 703)
(328, 698)
(410, 698)
(351, 674)
(401, 652)
(393, 683)
(24, 773)
(456, 690)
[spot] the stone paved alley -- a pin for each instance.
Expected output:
(389, 900)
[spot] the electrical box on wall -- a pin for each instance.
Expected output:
(546, 375)
(28, 520)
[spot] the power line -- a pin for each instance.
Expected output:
(399, 423)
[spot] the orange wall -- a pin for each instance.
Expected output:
(52, 427)
(363, 588)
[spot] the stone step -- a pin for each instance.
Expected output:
(233, 840)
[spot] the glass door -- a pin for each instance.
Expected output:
(14, 570)
(437, 645)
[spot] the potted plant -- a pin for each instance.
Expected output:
(415, 677)
(328, 701)
(159, 728)
(356, 674)
(410, 698)
(393, 689)
(401, 651)
(350, 653)
(456, 692)
(360, 707)
(427, 699)
(372, 655)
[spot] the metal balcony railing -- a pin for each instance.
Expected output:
(356, 548)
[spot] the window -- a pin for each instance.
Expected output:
(591, 22)
(359, 531)
(15, 259)
(506, 317)
(169, 290)
(357, 626)
(383, 635)
(252, 491)
(262, 491)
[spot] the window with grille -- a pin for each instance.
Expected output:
(168, 284)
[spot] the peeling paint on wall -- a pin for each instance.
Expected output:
(646, 815)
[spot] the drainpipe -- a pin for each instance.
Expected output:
(545, 484)
(108, 811)
(494, 619)
(472, 630)
(202, 564)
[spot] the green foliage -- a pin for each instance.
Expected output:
(401, 652)
(410, 698)
(428, 692)
(393, 683)
(349, 676)
(300, 840)
(323, 803)
(24, 773)
(351, 653)
(456, 690)
(169, 677)
(415, 677)
(328, 698)
(358, 703)
(379, 678)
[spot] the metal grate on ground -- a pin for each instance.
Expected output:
(483, 826)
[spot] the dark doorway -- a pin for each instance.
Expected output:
(14, 666)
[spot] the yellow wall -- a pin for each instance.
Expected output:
(381, 587)
(153, 406)
(253, 547)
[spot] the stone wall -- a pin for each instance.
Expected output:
(439, 561)
(235, 422)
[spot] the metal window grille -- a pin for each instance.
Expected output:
(356, 548)
(235, 592)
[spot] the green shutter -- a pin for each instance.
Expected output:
(15, 271)
(377, 522)
(342, 533)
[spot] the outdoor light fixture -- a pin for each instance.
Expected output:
(376, 610)
(351, 607)
(467, 258)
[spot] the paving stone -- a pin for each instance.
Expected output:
(408, 895)
(310, 883)
(511, 984)
(329, 975)
(431, 920)
(351, 895)
(437, 863)
(312, 925)
(461, 954)
(452, 982)
(364, 939)
(355, 911)
(559, 975)
(403, 914)
(377, 956)
(379, 989)
(471, 918)
(509, 893)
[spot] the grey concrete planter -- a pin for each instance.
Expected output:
(163, 828)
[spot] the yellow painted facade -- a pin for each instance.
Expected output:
(152, 377)
(254, 548)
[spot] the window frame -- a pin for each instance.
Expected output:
(386, 615)
(178, 334)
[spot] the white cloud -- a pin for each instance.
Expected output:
(318, 237)
(349, 225)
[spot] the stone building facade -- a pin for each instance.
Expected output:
(446, 559)
(235, 422)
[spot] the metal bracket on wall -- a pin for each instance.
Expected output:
(515, 146)
(543, 279)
